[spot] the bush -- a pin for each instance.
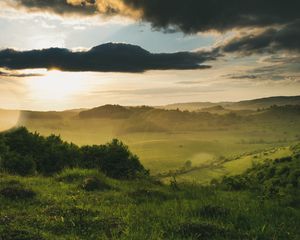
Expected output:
(51, 155)
(16, 164)
(235, 183)
(278, 179)
(114, 159)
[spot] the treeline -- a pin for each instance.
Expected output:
(26, 153)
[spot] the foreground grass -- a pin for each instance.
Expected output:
(142, 209)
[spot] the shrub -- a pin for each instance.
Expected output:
(51, 155)
(16, 164)
(3, 147)
(114, 159)
(235, 183)
(56, 155)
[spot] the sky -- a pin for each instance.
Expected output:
(67, 54)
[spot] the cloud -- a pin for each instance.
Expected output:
(250, 76)
(275, 68)
(60, 7)
(189, 16)
(271, 40)
(18, 75)
(110, 57)
(161, 91)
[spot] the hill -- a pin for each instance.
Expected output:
(81, 203)
(106, 111)
(241, 105)
(166, 139)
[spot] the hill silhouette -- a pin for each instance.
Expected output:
(241, 105)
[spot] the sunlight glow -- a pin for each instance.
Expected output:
(56, 85)
(8, 118)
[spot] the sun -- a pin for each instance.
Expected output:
(56, 85)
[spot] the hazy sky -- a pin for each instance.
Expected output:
(55, 53)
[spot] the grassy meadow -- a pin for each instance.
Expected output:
(213, 175)
(60, 207)
(166, 140)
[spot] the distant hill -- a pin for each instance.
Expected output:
(114, 111)
(265, 102)
(242, 105)
(40, 115)
(123, 119)
(192, 106)
(106, 111)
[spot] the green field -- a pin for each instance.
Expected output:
(212, 176)
(165, 140)
(60, 207)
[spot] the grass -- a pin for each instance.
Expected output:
(164, 151)
(139, 210)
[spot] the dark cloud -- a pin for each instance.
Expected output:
(272, 40)
(189, 16)
(250, 76)
(201, 15)
(110, 57)
(18, 75)
(277, 69)
(278, 21)
(61, 7)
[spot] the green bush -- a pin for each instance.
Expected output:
(278, 179)
(16, 164)
(28, 152)
(114, 159)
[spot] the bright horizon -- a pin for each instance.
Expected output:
(138, 105)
